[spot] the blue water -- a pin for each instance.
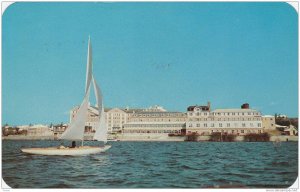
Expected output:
(155, 165)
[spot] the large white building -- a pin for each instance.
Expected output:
(154, 121)
(117, 117)
(40, 130)
(201, 120)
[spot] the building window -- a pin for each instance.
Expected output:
(243, 125)
(220, 124)
(259, 124)
(198, 125)
(205, 124)
(242, 131)
(228, 124)
(212, 125)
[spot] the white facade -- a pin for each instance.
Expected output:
(160, 122)
(268, 122)
(39, 130)
(198, 119)
(115, 118)
(202, 121)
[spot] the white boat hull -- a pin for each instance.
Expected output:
(78, 151)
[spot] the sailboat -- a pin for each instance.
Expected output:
(75, 131)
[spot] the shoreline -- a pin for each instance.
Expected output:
(281, 138)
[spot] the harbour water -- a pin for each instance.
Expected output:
(155, 165)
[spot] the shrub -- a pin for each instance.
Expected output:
(192, 137)
(217, 136)
(253, 137)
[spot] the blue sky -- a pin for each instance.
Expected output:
(170, 54)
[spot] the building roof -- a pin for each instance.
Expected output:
(159, 112)
(39, 126)
(136, 110)
(270, 116)
(155, 123)
(234, 110)
(191, 108)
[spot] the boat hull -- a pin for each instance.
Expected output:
(78, 151)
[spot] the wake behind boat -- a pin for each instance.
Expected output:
(75, 131)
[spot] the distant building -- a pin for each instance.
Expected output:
(201, 120)
(268, 122)
(115, 118)
(59, 129)
(281, 116)
(39, 130)
(23, 127)
(154, 121)
(291, 130)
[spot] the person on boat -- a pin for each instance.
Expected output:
(73, 144)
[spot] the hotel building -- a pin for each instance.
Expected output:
(154, 121)
(116, 118)
(201, 120)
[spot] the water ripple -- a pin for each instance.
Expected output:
(155, 165)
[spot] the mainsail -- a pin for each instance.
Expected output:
(75, 130)
(89, 66)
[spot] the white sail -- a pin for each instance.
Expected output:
(89, 66)
(98, 95)
(101, 130)
(75, 130)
